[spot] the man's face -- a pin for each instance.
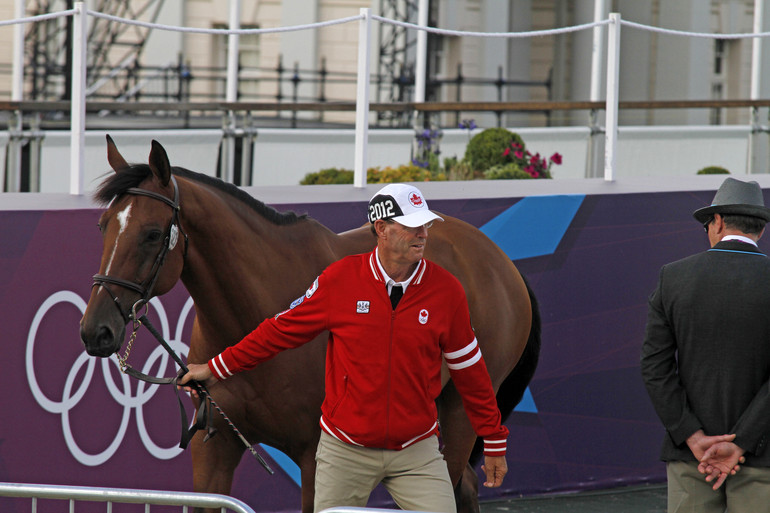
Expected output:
(403, 244)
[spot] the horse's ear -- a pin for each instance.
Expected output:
(116, 160)
(159, 163)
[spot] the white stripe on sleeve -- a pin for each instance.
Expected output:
(466, 363)
(495, 446)
(462, 352)
(219, 366)
(454, 359)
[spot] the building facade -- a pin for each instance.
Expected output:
(320, 64)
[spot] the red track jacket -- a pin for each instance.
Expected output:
(383, 367)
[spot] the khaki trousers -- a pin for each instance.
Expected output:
(416, 477)
(748, 491)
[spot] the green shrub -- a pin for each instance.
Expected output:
(459, 170)
(713, 170)
(493, 154)
(328, 176)
(510, 171)
(486, 148)
(403, 173)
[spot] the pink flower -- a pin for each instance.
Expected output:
(556, 158)
(506, 152)
(518, 154)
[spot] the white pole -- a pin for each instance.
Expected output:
(231, 94)
(420, 66)
(231, 91)
(13, 179)
(756, 82)
(597, 51)
(362, 99)
(756, 50)
(613, 78)
(17, 91)
(78, 103)
(595, 89)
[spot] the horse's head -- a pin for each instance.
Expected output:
(144, 247)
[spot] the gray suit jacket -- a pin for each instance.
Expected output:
(706, 354)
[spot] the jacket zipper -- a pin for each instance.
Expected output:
(390, 377)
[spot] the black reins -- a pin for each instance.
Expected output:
(145, 289)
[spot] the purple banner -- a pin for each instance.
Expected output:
(71, 419)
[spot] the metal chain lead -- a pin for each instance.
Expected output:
(123, 360)
(236, 431)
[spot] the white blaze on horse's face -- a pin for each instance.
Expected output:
(122, 217)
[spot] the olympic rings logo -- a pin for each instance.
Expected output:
(122, 395)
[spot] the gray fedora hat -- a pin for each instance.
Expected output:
(736, 197)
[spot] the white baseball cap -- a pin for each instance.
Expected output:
(402, 203)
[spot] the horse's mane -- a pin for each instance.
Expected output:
(117, 184)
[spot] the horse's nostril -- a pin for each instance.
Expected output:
(105, 336)
(101, 344)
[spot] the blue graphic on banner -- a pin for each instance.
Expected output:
(534, 226)
(286, 464)
(527, 403)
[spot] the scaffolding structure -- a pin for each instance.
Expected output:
(114, 49)
(398, 56)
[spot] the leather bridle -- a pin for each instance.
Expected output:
(146, 287)
(203, 416)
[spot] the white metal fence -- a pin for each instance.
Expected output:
(110, 496)
(365, 19)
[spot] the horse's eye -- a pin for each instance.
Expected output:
(154, 236)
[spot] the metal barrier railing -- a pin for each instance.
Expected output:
(351, 509)
(122, 496)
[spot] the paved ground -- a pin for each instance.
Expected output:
(631, 499)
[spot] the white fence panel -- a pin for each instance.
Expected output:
(680, 151)
(193, 149)
(122, 496)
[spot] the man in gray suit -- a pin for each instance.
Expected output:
(706, 360)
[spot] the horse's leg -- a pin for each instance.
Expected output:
(467, 491)
(214, 463)
(458, 438)
(307, 469)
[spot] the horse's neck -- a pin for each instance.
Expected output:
(242, 268)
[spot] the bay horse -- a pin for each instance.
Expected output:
(242, 261)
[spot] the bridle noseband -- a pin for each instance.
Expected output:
(146, 287)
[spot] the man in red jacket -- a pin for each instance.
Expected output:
(392, 318)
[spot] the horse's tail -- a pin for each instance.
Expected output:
(515, 384)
